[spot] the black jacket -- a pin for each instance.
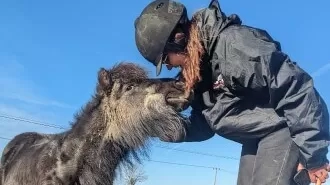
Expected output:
(251, 88)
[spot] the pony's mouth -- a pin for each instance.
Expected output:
(178, 103)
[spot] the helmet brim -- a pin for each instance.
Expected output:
(159, 68)
(160, 61)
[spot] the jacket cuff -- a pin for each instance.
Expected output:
(314, 162)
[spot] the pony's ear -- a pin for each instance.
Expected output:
(104, 81)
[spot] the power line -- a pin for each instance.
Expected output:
(31, 121)
(199, 153)
(173, 163)
(60, 127)
(179, 150)
(191, 165)
(4, 138)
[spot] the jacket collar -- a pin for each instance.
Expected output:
(212, 21)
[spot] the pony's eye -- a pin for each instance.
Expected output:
(129, 87)
(159, 5)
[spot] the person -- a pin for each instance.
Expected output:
(246, 89)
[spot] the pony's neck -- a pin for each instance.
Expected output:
(87, 124)
(88, 135)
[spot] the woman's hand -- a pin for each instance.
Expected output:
(318, 173)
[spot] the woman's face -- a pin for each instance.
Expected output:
(175, 60)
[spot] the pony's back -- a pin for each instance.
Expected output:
(19, 145)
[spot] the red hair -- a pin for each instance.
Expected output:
(194, 52)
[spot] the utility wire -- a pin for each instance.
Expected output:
(4, 138)
(192, 165)
(173, 163)
(60, 127)
(179, 150)
(31, 121)
(198, 153)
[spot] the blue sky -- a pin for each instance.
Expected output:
(50, 52)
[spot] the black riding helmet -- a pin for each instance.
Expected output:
(154, 30)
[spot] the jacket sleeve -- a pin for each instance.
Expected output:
(256, 66)
(197, 127)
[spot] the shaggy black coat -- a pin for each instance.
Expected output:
(127, 109)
